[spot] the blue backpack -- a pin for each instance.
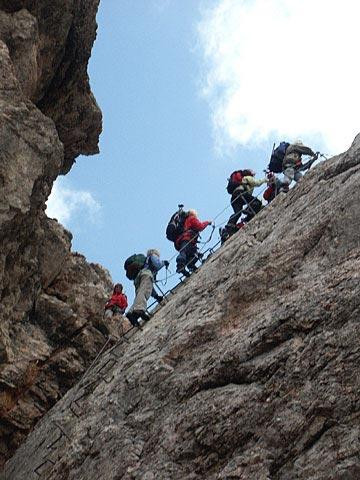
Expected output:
(277, 157)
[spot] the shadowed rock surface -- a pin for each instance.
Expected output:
(251, 371)
(50, 300)
(51, 347)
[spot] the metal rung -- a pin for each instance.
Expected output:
(36, 470)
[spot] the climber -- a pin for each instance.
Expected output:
(241, 186)
(117, 303)
(144, 286)
(292, 164)
(274, 186)
(186, 243)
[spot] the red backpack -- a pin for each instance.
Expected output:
(234, 181)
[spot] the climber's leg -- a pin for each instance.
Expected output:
(143, 292)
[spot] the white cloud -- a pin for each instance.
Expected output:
(69, 206)
(282, 69)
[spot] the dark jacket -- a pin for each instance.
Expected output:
(293, 155)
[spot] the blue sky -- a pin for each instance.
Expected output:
(186, 96)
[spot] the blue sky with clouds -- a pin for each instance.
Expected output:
(190, 91)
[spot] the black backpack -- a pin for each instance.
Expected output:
(277, 157)
(175, 226)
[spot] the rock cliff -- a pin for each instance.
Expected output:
(250, 371)
(48, 44)
(48, 116)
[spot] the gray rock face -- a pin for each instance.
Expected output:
(48, 348)
(251, 371)
(48, 116)
(49, 43)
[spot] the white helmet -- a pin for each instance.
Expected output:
(153, 251)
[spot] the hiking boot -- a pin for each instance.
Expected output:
(284, 188)
(182, 271)
(224, 237)
(133, 319)
(192, 268)
(142, 314)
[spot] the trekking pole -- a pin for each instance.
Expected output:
(164, 282)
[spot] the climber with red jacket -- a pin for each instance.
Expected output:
(241, 185)
(117, 303)
(274, 186)
(186, 243)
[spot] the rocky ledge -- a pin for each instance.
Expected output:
(250, 371)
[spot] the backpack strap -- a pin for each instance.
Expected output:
(147, 263)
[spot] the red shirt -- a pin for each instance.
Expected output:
(192, 226)
(118, 299)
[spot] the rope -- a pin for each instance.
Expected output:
(209, 239)
(164, 282)
(95, 359)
